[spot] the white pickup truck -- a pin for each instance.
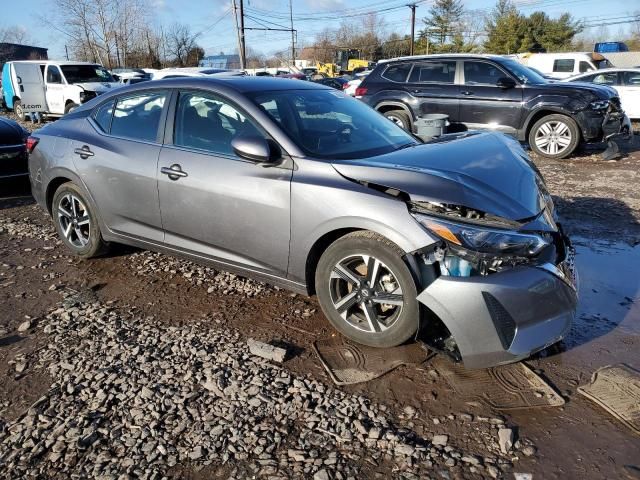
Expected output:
(52, 87)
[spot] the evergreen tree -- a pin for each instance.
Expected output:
(443, 23)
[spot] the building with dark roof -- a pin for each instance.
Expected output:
(15, 51)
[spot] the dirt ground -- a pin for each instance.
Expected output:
(600, 205)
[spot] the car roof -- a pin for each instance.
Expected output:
(443, 55)
(55, 62)
(241, 84)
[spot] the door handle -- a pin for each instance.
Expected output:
(84, 152)
(174, 171)
(466, 92)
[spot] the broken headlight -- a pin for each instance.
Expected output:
(599, 105)
(485, 240)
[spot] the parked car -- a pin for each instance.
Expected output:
(495, 93)
(339, 83)
(355, 82)
(54, 88)
(626, 81)
(13, 150)
(302, 186)
(610, 47)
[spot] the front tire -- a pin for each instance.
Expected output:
(75, 223)
(366, 290)
(554, 136)
(69, 107)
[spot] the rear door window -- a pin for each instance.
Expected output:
(481, 73)
(564, 65)
(102, 116)
(53, 74)
(397, 73)
(605, 78)
(434, 72)
(631, 79)
(138, 116)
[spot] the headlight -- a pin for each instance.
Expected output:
(484, 240)
(600, 105)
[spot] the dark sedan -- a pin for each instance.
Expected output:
(338, 83)
(13, 150)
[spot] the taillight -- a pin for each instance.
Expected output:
(31, 143)
(361, 91)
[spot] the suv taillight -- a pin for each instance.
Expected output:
(361, 91)
(31, 143)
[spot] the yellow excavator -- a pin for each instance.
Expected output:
(343, 64)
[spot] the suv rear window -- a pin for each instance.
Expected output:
(433, 72)
(564, 65)
(397, 73)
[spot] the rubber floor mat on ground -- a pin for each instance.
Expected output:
(616, 388)
(507, 387)
(348, 363)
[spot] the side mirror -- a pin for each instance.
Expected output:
(506, 82)
(254, 148)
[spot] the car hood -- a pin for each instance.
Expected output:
(487, 171)
(99, 87)
(11, 133)
(563, 87)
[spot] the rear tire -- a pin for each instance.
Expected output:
(76, 223)
(400, 118)
(554, 136)
(18, 110)
(355, 277)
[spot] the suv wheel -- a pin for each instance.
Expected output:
(366, 290)
(554, 136)
(400, 118)
(75, 223)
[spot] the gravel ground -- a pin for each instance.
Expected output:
(136, 365)
(132, 397)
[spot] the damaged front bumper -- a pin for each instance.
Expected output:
(506, 316)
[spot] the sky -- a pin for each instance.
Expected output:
(213, 19)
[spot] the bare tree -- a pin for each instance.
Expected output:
(180, 41)
(14, 34)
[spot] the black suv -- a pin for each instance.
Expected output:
(498, 93)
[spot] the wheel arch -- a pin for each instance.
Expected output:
(389, 105)
(543, 112)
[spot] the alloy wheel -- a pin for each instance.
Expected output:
(553, 137)
(74, 220)
(366, 293)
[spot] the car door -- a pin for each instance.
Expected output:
(432, 83)
(31, 87)
(629, 90)
(54, 86)
(117, 159)
(483, 104)
(214, 203)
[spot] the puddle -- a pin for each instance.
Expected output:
(609, 288)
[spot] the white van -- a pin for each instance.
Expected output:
(51, 87)
(563, 65)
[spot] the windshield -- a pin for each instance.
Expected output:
(86, 73)
(329, 124)
(524, 74)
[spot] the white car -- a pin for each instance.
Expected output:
(625, 80)
(350, 89)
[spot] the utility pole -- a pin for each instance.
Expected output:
(293, 36)
(412, 6)
(243, 52)
(66, 50)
